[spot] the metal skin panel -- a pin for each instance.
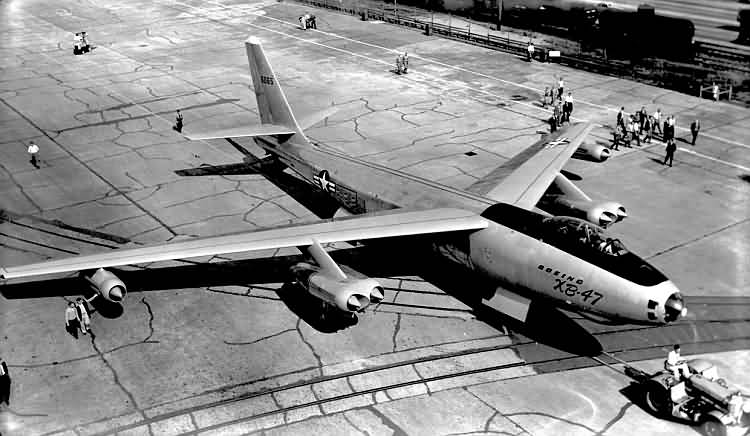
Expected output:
(522, 261)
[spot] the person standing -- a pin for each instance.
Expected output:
(530, 51)
(33, 150)
(621, 118)
(398, 64)
(546, 95)
(556, 113)
(4, 383)
(72, 323)
(671, 147)
(568, 107)
(648, 128)
(83, 315)
(657, 121)
(615, 139)
(695, 127)
(715, 89)
(405, 62)
(178, 122)
(560, 88)
(552, 124)
(641, 118)
(313, 22)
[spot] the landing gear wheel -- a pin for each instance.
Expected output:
(713, 427)
(657, 398)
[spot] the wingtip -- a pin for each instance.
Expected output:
(3, 273)
(254, 40)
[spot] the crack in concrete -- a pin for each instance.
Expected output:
(115, 376)
(312, 349)
(260, 339)
(396, 331)
(691, 241)
(388, 422)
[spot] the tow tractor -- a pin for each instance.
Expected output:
(701, 398)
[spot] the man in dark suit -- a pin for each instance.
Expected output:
(4, 383)
(695, 127)
(671, 147)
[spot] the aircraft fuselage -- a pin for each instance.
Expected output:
(519, 249)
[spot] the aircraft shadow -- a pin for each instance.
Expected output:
(544, 324)
(314, 200)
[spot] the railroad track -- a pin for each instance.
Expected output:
(722, 57)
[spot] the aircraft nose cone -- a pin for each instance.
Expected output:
(115, 294)
(674, 307)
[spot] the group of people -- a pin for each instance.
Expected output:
(307, 21)
(562, 107)
(77, 317)
(402, 63)
(630, 128)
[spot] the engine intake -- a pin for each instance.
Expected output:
(592, 152)
(108, 285)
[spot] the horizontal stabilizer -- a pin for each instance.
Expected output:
(234, 169)
(310, 120)
(240, 132)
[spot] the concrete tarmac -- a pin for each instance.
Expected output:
(216, 347)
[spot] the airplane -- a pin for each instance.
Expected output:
(496, 228)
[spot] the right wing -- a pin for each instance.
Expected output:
(524, 179)
(383, 225)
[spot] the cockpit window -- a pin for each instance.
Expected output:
(585, 234)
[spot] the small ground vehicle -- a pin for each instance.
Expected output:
(81, 44)
(701, 398)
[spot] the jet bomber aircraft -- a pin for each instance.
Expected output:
(525, 227)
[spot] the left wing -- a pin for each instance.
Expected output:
(523, 179)
(398, 223)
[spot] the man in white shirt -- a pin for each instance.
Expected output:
(657, 121)
(676, 363)
(33, 150)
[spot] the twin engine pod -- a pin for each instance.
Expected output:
(349, 295)
(602, 214)
(107, 285)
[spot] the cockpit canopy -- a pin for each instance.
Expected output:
(574, 231)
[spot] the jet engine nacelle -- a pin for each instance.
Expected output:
(592, 152)
(350, 295)
(108, 285)
(602, 214)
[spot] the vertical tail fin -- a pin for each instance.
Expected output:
(272, 103)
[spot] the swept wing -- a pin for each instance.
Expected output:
(524, 178)
(399, 223)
